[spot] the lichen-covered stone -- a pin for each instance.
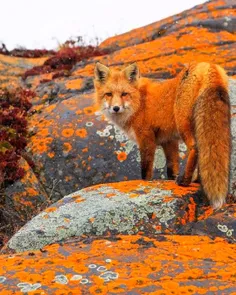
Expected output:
(12, 67)
(125, 207)
(126, 265)
(220, 224)
(25, 197)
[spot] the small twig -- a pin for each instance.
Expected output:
(54, 184)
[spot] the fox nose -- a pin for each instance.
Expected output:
(116, 109)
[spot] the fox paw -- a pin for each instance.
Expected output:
(182, 181)
(170, 174)
(172, 177)
(197, 180)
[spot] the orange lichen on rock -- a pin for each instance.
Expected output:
(79, 200)
(90, 110)
(197, 37)
(85, 150)
(42, 145)
(122, 156)
(179, 189)
(207, 212)
(132, 185)
(51, 155)
(74, 84)
(31, 191)
(81, 132)
(130, 264)
(51, 209)
(67, 147)
(67, 132)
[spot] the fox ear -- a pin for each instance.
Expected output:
(132, 72)
(101, 72)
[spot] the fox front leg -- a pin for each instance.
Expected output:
(147, 149)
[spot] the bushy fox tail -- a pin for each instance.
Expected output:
(213, 137)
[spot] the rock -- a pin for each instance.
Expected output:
(219, 224)
(125, 265)
(25, 197)
(126, 207)
(12, 67)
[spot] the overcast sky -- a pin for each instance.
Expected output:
(47, 23)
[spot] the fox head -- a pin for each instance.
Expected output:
(117, 91)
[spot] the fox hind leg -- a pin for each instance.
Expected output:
(171, 150)
(190, 166)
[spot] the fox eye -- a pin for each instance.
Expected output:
(123, 94)
(109, 94)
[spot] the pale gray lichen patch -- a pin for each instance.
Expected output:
(160, 159)
(76, 278)
(182, 147)
(224, 229)
(28, 287)
(109, 276)
(61, 279)
(2, 279)
(89, 124)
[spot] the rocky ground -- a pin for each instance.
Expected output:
(116, 234)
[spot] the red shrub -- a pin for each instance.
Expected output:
(64, 60)
(65, 57)
(22, 52)
(61, 74)
(13, 132)
(44, 81)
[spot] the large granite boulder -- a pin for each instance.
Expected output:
(109, 209)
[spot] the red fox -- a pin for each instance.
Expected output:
(193, 107)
